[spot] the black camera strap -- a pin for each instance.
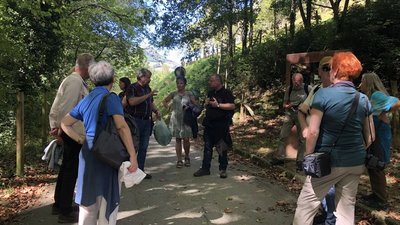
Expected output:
(353, 108)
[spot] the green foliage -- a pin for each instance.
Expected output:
(373, 34)
(40, 41)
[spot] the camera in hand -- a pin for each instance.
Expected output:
(373, 162)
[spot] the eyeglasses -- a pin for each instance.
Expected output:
(326, 68)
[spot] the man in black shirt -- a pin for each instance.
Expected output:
(139, 104)
(219, 111)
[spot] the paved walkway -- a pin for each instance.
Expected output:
(175, 197)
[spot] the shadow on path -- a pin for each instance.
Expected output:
(174, 196)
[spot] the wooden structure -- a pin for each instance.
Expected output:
(305, 58)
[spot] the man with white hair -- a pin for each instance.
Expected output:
(294, 96)
(140, 105)
(72, 89)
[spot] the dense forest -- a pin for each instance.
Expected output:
(246, 41)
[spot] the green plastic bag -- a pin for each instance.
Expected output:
(162, 134)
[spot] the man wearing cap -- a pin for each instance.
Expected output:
(328, 203)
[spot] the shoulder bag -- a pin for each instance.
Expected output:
(374, 159)
(107, 144)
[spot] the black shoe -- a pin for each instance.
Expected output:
(375, 202)
(72, 217)
(201, 172)
(148, 176)
(299, 166)
(55, 210)
(277, 162)
(223, 174)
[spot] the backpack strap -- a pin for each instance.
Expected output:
(306, 88)
(353, 108)
(100, 113)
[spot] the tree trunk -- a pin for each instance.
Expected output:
(395, 119)
(343, 16)
(226, 79)
(245, 27)
(275, 23)
(20, 134)
(335, 4)
(292, 18)
(335, 9)
(251, 25)
(45, 119)
(231, 40)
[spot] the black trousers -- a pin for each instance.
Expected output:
(67, 175)
(378, 184)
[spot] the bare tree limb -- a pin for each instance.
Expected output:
(322, 6)
(93, 5)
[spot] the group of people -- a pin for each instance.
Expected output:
(319, 113)
(219, 105)
(324, 124)
(74, 119)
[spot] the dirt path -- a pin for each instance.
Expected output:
(174, 196)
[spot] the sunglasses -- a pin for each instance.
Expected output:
(326, 68)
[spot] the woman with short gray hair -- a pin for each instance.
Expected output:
(101, 73)
(98, 185)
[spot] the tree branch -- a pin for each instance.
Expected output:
(92, 5)
(322, 6)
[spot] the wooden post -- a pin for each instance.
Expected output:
(20, 134)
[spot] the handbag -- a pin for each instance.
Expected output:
(318, 164)
(107, 144)
(162, 134)
(375, 158)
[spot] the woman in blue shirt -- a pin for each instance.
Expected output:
(98, 187)
(382, 103)
(329, 111)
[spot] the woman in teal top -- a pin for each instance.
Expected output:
(329, 111)
(180, 101)
(382, 103)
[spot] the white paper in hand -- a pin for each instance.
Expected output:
(129, 178)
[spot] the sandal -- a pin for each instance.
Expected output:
(187, 162)
(179, 164)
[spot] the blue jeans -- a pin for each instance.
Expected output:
(144, 127)
(209, 143)
(328, 203)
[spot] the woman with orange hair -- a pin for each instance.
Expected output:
(331, 131)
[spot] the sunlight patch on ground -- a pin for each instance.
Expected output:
(191, 191)
(126, 214)
(187, 214)
(227, 218)
(244, 177)
(160, 168)
(264, 150)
